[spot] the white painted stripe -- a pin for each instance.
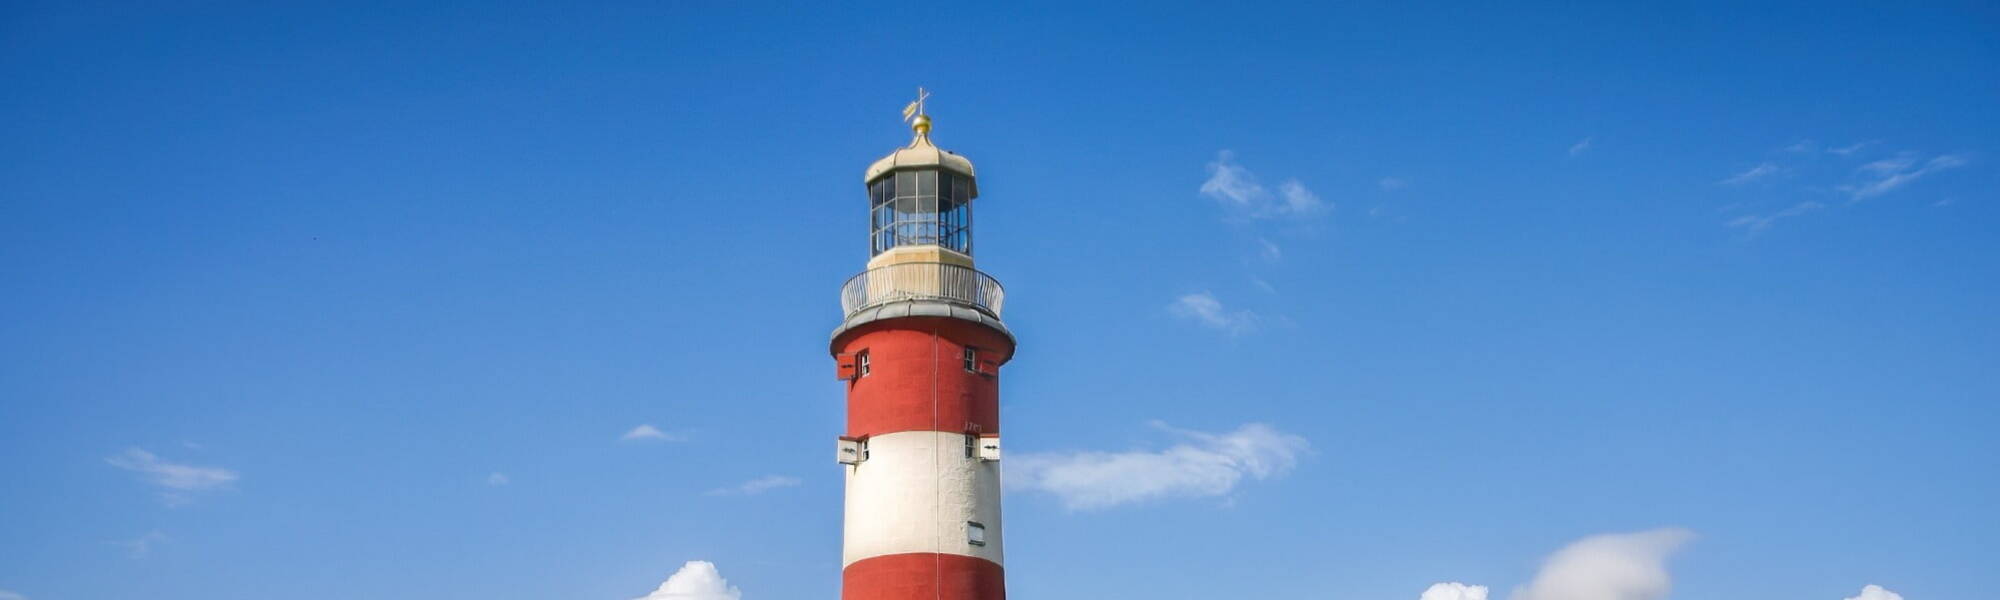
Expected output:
(915, 493)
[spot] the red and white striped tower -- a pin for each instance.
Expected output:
(920, 351)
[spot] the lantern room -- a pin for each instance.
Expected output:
(920, 204)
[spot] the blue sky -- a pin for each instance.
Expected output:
(373, 301)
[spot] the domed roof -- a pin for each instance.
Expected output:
(920, 153)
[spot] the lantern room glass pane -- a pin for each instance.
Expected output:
(920, 207)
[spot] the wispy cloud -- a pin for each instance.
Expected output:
(498, 478)
(1755, 173)
(1581, 146)
(1269, 250)
(1619, 566)
(11, 595)
(142, 546)
(1454, 591)
(1849, 149)
(1390, 184)
(1237, 189)
(1875, 592)
(1204, 309)
(1759, 223)
(697, 580)
(1202, 465)
(180, 481)
(1811, 147)
(647, 432)
(1263, 285)
(1889, 166)
(1886, 175)
(1298, 199)
(757, 486)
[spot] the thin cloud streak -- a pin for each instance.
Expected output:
(1581, 146)
(1759, 223)
(647, 432)
(1851, 149)
(1755, 173)
(142, 546)
(1269, 250)
(1202, 465)
(181, 481)
(757, 486)
(1886, 175)
(1202, 308)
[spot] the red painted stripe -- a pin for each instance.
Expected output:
(923, 576)
(917, 379)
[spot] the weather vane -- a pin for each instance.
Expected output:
(914, 113)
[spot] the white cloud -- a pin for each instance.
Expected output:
(142, 546)
(649, 432)
(1390, 184)
(1802, 146)
(1202, 465)
(10, 595)
(1755, 173)
(1622, 566)
(1875, 592)
(1454, 591)
(181, 481)
(1581, 146)
(1237, 189)
(1203, 308)
(757, 486)
(1757, 223)
(498, 478)
(1883, 176)
(697, 580)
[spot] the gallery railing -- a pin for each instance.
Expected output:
(922, 281)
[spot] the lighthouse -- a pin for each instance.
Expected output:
(919, 352)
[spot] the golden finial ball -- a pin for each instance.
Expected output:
(922, 124)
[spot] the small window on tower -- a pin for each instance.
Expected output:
(971, 360)
(975, 533)
(861, 364)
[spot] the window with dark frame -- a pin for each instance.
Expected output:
(975, 533)
(971, 360)
(861, 364)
